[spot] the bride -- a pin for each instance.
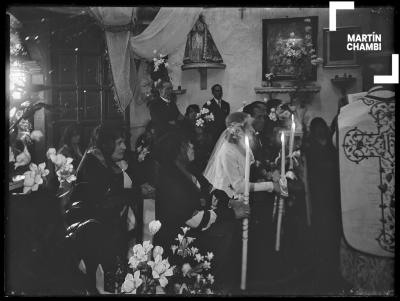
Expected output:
(226, 167)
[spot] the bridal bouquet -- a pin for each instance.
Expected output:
(150, 273)
(204, 118)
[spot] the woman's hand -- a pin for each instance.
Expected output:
(241, 209)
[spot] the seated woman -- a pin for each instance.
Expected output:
(107, 191)
(186, 199)
(70, 144)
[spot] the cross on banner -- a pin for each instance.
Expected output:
(359, 145)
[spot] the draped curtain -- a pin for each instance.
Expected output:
(117, 22)
(165, 34)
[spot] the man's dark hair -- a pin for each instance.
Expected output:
(193, 107)
(216, 85)
(273, 103)
(249, 109)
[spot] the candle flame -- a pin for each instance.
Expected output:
(282, 137)
(246, 141)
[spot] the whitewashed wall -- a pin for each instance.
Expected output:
(240, 44)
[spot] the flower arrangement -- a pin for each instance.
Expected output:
(192, 275)
(34, 177)
(295, 55)
(269, 77)
(151, 274)
(161, 60)
(204, 118)
(19, 121)
(148, 269)
(159, 69)
(63, 167)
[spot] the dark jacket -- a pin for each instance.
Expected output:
(161, 113)
(177, 199)
(102, 196)
(220, 113)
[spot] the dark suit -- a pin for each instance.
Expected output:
(161, 113)
(220, 113)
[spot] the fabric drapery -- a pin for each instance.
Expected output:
(165, 34)
(122, 63)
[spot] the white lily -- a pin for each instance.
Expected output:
(131, 283)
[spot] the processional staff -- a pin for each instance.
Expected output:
(245, 234)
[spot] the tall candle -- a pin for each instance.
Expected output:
(291, 141)
(283, 154)
(247, 169)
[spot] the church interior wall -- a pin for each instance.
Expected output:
(239, 42)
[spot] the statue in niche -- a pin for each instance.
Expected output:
(200, 46)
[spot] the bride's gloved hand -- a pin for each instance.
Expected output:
(283, 186)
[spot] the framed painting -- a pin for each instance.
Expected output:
(284, 37)
(336, 54)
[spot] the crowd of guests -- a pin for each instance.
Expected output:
(172, 158)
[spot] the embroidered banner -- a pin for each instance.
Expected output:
(367, 165)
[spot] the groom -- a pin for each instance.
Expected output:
(220, 109)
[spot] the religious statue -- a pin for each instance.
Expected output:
(200, 46)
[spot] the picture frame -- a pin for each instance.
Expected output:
(335, 51)
(274, 31)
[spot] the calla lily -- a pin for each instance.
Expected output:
(51, 152)
(161, 269)
(131, 283)
(154, 226)
(157, 251)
